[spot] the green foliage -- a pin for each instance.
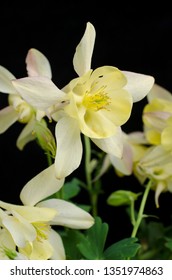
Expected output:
(122, 250)
(71, 189)
(90, 245)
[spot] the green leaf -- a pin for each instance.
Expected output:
(122, 250)
(168, 243)
(122, 197)
(71, 238)
(71, 189)
(93, 245)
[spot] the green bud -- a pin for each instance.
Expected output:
(122, 197)
(45, 137)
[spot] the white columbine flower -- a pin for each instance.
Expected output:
(30, 224)
(97, 104)
(19, 109)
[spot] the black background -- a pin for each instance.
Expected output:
(130, 36)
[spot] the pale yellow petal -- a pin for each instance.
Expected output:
(8, 116)
(57, 244)
(41, 186)
(69, 147)
(84, 50)
(5, 81)
(26, 135)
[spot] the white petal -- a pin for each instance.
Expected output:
(84, 50)
(159, 92)
(5, 81)
(57, 244)
(41, 186)
(8, 116)
(68, 214)
(138, 84)
(111, 145)
(26, 135)
(69, 147)
(37, 64)
(40, 92)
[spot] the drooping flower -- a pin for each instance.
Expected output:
(97, 104)
(30, 224)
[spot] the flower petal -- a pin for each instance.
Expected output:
(159, 92)
(26, 135)
(41, 186)
(20, 230)
(84, 50)
(30, 213)
(40, 250)
(8, 116)
(69, 147)
(57, 244)
(37, 64)
(111, 145)
(68, 214)
(40, 92)
(5, 81)
(138, 84)
(124, 164)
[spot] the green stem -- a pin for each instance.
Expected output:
(132, 213)
(92, 194)
(49, 159)
(141, 210)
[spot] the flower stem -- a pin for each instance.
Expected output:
(141, 210)
(92, 194)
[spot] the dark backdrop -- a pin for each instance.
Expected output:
(133, 37)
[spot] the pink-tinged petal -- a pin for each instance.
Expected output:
(26, 135)
(68, 214)
(111, 145)
(57, 245)
(84, 51)
(159, 92)
(138, 84)
(8, 116)
(69, 147)
(40, 92)
(5, 81)
(37, 64)
(41, 186)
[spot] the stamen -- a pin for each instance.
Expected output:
(97, 100)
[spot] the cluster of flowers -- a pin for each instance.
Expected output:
(95, 105)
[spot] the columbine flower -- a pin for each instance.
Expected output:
(18, 109)
(156, 164)
(97, 104)
(29, 224)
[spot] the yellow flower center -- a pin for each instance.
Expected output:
(97, 100)
(42, 230)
